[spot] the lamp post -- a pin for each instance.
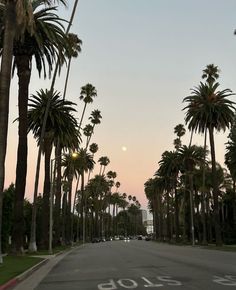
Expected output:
(74, 155)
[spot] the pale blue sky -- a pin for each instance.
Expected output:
(143, 56)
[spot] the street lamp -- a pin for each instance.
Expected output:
(74, 155)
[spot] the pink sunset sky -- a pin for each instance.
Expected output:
(143, 57)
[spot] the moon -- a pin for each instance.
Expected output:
(124, 148)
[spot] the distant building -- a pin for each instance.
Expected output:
(149, 226)
(144, 215)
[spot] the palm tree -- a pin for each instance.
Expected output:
(153, 188)
(179, 130)
(211, 73)
(87, 130)
(84, 163)
(74, 49)
(104, 161)
(60, 122)
(190, 156)
(95, 120)
(169, 170)
(44, 47)
(5, 81)
(93, 148)
(209, 109)
(230, 161)
(18, 16)
(97, 189)
(117, 185)
(87, 93)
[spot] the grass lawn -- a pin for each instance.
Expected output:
(14, 265)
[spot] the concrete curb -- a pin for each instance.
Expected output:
(9, 284)
(14, 281)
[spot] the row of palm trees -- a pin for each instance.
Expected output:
(189, 194)
(31, 29)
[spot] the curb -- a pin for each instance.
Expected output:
(14, 281)
(9, 284)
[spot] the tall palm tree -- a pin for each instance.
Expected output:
(71, 171)
(74, 49)
(230, 161)
(5, 81)
(210, 109)
(88, 130)
(87, 93)
(84, 163)
(211, 73)
(97, 189)
(169, 170)
(59, 122)
(18, 16)
(104, 161)
(95, 120)
(93, 148)
(44, 47)
(179, 130)
(190, 156)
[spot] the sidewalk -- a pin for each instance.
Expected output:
(29, 279)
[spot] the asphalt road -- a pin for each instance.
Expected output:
(142, 265)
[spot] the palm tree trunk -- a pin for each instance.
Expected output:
(203, 195)
(82, 116)
(191, 207)
(234, 205)
(168, 216)
(64, 207)
(32, 243)
(46, 193)
(215, 190)
(73, 209)
(57, 212)
(69, 215)
(83, 206)
(24, 72)
(67, 78)
(176, 216)
(5, 80)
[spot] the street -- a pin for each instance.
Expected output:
(142, 265)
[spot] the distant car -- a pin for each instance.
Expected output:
(96, 240)
(140, 238)
(147, 238)
(126, 239)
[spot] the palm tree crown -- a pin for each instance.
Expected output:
(59, 116)
(208, 107)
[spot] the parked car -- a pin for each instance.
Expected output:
(140, 237)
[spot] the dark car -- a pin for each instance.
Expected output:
(140, 237)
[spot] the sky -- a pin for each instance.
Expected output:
(143, 57)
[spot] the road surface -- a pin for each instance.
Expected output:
(141, 265)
